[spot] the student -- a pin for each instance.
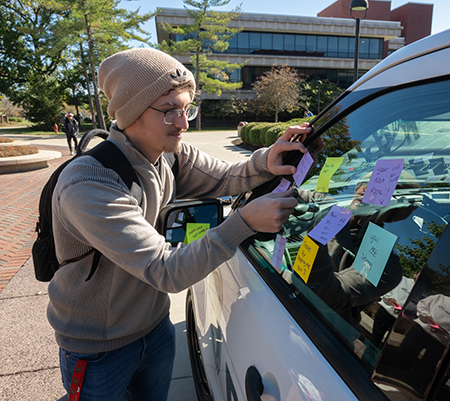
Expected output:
(71, 130)
(119, 320)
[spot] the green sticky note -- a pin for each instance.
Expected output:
(330, 167)
(305, 258)
(195, 231)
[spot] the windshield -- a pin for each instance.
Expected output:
(369, 216)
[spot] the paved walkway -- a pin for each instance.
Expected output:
(30, 368)
(19, 201)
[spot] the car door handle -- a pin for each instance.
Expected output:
(253, 384)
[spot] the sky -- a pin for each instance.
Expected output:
(440, 22)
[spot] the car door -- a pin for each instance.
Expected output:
(315, 336)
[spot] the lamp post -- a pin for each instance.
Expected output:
(357, 5)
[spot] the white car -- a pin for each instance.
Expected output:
(351, 303)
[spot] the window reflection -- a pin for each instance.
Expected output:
(300, 45)
(398, 328)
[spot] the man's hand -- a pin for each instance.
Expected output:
(269, 212)
(284, 144)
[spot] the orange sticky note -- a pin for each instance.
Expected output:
(330, 167)
(305, 258)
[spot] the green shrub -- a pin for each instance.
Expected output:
(263, 133)
(274, 132)
(15, 119)
(298, 121)
(245, 131)
(255, 134)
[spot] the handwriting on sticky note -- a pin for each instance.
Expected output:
(331, 224)
(383, 181)
(302, 169)
(282, 186)
(305, 258)
(278, 252)
(195, 231)
(330, 167)
(374, 252)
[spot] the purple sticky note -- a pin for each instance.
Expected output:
(303, 168)
(383, 181)
(278, 252)
(282, 186)
(331, 224)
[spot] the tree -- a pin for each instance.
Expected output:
(328, 92)
(30, 44)
(100, 29)
(36, 35)
(277, 90)
(208, 33)
(42, 102)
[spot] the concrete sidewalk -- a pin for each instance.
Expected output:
(28, 351)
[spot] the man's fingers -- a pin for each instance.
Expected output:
(303, 129)
(284, 199)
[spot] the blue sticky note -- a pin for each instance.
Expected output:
(374, 252)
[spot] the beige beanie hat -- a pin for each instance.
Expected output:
(133, 79)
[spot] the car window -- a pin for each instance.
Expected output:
(379, 207)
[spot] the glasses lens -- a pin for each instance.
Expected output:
(191, 113)
(173, 115)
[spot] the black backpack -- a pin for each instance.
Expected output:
(108, 154)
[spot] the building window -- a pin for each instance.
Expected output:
(300, 45)
(255, 41)
(278, 42)
(243, 43)
(311, 41)
(303, 45)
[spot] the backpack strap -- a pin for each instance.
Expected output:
(110, 156)
(172, 160)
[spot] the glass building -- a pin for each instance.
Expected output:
(319, 48)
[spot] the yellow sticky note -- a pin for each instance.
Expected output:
(305, 258)
(330, 167)
(195, 231)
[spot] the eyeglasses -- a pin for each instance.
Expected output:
(171, 116)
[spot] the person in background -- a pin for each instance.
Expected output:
(71, 130)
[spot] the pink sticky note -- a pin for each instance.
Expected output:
(383, 181)
(282, 186)
(331, 224)
(303, 168)
(278, 252)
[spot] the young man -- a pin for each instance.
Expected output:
(119, 320)
(71, 130)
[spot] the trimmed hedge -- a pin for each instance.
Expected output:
(245, 131)
(15, 119)
(298, 121)
(266, 134)
(255, 138)
(263, 133)
(274, 132)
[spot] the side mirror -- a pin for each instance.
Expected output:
(175, 218)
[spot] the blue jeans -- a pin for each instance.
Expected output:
(139, 371)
